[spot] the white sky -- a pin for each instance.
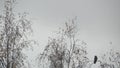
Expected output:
(98, 21)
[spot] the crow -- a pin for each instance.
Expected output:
(95, 59)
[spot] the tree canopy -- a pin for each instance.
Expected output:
(13, 37)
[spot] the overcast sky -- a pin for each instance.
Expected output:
(98, 21)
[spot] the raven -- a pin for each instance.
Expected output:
(95, 59)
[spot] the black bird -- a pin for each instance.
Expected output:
(95, 59)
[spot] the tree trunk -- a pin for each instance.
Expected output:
(8, 21)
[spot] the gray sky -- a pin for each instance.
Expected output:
(98, 21)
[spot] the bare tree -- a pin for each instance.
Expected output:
(76, 53)
(13, 37)
(65, 50)
(111, 60)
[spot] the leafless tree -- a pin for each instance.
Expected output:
(111, 60)
(65, 50)
(13, 37)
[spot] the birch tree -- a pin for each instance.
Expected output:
(13, 36)
(65, 50)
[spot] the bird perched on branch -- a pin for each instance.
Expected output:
(95, 59)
